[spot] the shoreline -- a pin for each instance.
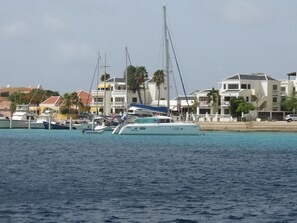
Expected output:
(253, 126)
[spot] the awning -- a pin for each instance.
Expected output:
(102, 85)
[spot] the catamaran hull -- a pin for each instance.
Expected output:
(160, 129)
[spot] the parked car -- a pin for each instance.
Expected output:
(291, 117)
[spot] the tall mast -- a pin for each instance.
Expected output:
(166, 60)
(126, 80)
(104, 100)
(97, 95)
(104, 105)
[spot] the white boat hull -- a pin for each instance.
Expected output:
(19, 124)
(160, 129)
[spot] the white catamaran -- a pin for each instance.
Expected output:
(158, 124)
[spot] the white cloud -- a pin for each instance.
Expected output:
(243, 12)
(15, 29)
(51, 23)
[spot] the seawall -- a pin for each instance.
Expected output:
(275, 126)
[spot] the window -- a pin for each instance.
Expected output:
(4, 94)
(233, 86)
(243, 86)
(227, 98)
(249, 86)
(283, 89)
(247, 99)
(274, 99)
(224, 86)
(98, 99)
(119, 99)
(134, 100)
(202, 98)
(274, 87)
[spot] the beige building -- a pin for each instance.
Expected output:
(263, 91)
(112, 96)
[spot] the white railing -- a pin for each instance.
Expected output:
(96, 104)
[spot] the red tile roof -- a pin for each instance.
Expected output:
(54, 100)
(85, 97)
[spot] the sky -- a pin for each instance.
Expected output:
(55, 43)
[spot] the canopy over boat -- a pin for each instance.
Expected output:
(151, 108)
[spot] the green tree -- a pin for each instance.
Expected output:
(68, 100)
(140, 77)
(104, 77)
(136, 78)
(194, 106)
(234, 103)
(290, 103)
(131, 79)
(34, 97)
(159, 78)
(212, 99)
(245, 107)
(238, 106)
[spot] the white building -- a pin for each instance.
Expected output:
(263, 91)
(288, 86)
(114, 91)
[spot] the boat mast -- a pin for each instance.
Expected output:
(97, 94)
(167, 60)
(104, 100)
(126, 80)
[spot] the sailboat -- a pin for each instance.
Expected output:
(159, 124)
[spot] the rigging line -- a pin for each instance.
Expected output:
(173, 78)
(182, 82)
(94, 75)
(41, 100)
(33, 95)
(175, 86)
(129, 57)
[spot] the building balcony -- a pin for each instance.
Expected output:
(225, 103)
(118, 104)
(99, 104)
(119, 93)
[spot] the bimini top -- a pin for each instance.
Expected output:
(151, 108)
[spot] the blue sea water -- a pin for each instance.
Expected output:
(66, 176)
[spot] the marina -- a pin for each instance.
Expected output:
(189, 126)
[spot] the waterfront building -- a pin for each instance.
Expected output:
(288, 86)
(113, 96)
(5, 104)
(260, 89)
(52, 103)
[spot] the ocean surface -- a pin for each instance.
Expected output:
(66, 176)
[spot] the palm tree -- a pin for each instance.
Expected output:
(77, 102)
(140, 76)
(159, 78)
(194, 106)
(213, 100)
(104, 77)
(68, 100)
(131, 79)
